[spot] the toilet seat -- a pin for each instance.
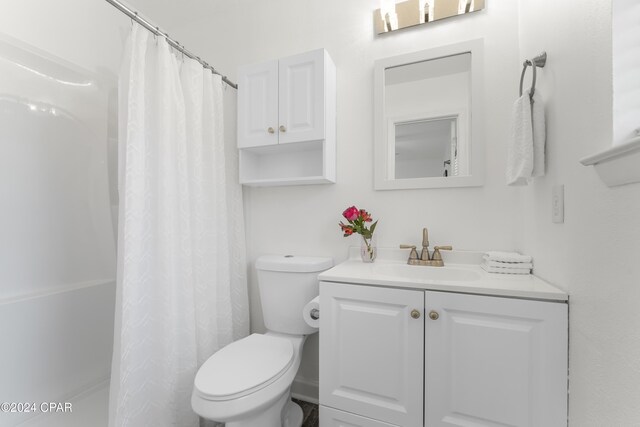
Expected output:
(244, 367)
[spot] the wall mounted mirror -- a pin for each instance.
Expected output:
(428, 118)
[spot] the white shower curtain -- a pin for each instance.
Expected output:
(182, 292)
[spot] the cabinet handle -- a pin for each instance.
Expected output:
(282, 128)
(433, 315)
(271, 130)
(415, 314)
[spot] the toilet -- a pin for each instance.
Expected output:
(248, 382)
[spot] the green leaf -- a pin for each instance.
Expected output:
(373, 227)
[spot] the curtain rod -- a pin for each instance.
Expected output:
(156, 31)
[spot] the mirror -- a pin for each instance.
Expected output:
(425, 148)
(426, 117)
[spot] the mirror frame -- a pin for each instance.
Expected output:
(475, 135)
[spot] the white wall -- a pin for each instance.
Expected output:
(594, 254)
(303, 219)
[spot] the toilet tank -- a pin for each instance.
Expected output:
(287, 283)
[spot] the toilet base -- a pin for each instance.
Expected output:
(283, 413)
(294, 415)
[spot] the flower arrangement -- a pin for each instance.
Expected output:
(357, 223)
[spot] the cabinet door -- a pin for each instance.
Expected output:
(333, 418)
(372, 352)
(302, 97)
(495, 361)
(258, 104)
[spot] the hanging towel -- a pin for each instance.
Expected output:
(506, 257)
(502, 264)
(499, 270)
(539, 135)
(520, 149)
(525, 153)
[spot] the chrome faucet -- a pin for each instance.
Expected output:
(431, 260)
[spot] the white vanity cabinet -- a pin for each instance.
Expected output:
(371, 354)
(492, 361)
(408, 357)
(287, 120)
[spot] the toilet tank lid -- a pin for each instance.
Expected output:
(294, 264)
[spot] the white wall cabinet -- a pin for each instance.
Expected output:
(287, 120)
(467, 360)
(258, 104)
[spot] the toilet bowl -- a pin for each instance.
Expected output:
(248, 382)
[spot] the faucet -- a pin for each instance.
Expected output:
(431, 260)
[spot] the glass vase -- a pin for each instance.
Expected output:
(368, 249)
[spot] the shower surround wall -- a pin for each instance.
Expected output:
(57, 252)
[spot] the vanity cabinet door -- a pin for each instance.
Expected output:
(372, 352)
(495, 361)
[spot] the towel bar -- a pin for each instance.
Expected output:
(538, 61)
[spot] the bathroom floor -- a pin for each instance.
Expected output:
(310, 417)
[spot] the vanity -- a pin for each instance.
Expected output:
(405, 345)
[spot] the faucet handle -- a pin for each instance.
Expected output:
(413, 254)
(436, 252)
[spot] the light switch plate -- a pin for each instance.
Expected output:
(557, 204)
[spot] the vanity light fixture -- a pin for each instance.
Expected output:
(387, 15)
(394, 15)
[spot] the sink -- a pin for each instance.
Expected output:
(461, 273)
(418, 272)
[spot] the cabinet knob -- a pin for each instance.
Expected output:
(415, 314)
(282, 128)
(271, 130)
(433, 315)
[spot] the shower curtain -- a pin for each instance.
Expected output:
(181, 286)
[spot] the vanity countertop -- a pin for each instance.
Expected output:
(462, 273)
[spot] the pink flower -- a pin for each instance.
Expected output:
(351, 213)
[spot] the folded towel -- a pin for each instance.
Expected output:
(502, 264)
(506, 256)
(525, 153)
(504, 270)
